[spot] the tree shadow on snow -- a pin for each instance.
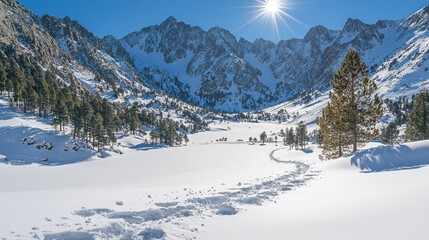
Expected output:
(8, 113)
(147, 147)
(391, 158)
(24, 145)
(307, 150)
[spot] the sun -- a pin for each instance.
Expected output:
(272, 6)
(273, 12)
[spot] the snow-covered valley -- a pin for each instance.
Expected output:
(209, 189)
(180, 132)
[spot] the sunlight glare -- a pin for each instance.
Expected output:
(273, 12)
(272, 6)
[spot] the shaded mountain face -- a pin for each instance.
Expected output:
(213, 68)
(65, 48)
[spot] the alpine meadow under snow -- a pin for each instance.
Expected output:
(175, 132)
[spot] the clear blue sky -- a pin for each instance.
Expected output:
(120, 17)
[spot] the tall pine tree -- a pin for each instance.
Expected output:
(353, 111)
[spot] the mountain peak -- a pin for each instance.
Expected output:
(109, 38)
(354, 25)
(318, 32)
(419, 20)
(168, 21)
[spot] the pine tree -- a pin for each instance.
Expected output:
(29, 97)
(41, 88)
(154, 136)
(186, 139)
(132, 119)
(301, 135)
(263, 137)
(389, 134)
(354, 108)
(290, 137)
(77, 121)
(8, 86)
(418, 122)
(61, 114)
(85, 113)
(3, 79)
(16, 75)
(97, 132)
(332, 128)
(317, 137)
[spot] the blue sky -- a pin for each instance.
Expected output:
(120, 17)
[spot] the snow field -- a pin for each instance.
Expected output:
(153, 191)
(209, 189)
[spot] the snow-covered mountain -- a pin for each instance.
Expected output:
(229, 74)
(213, 68)
(64, 47)
(75, 55)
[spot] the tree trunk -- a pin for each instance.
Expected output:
(340, 151)
(354, 142)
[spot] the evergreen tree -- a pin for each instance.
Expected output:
(97, 132)
(132, 119)
(16, 76)
(317, 137)
(29, 97)
(85, 113)
(301, 135)
(3, 79)
(8, 86)
(389, 134)
(263, 137)
(61, 114)
(77, 121)
(186, 139)
(418, 122)
(41, 88)
(154, 135)
(353, 111)
(332, 127)
(290, 137)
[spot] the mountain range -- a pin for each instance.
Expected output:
(213, 69)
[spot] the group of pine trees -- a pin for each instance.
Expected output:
(297, 138)
(168, 132)
(400, 108)
(91, 118)
(418, 120)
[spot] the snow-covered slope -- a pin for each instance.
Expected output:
(27, 139)
(388, 202)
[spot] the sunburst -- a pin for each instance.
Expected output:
(273, 12)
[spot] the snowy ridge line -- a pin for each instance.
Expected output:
(158, 221)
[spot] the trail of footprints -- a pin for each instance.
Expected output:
(149, 223)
